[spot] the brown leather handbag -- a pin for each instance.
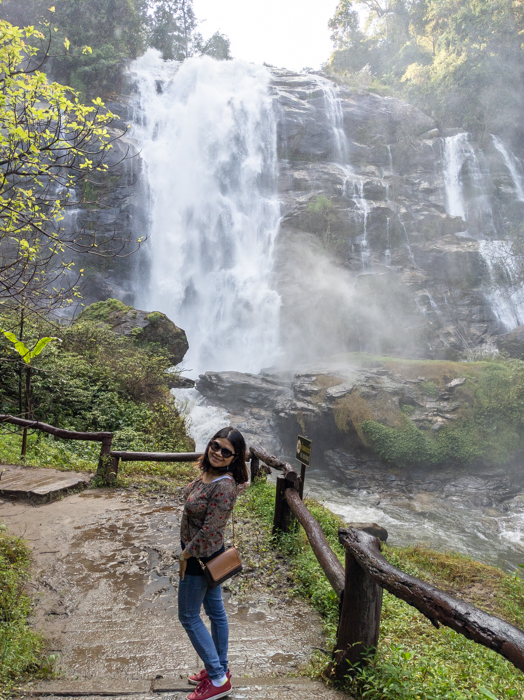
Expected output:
(224, 566)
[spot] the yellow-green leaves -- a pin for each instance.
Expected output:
(49, 142)
(26, 353)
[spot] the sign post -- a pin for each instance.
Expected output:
(303, 455)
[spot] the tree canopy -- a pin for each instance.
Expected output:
(49, 143)
(116, 31)
(461, 60)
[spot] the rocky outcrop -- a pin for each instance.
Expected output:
(512, 343)
(332, 402)
(376, 209)
(146, 328)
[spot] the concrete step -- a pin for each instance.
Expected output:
(38, 484)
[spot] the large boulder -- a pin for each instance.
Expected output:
(146, 327)
(512, 343)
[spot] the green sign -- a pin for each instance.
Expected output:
(303, 450)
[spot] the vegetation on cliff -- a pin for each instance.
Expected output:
(480, 420)
(447, 57)
(414, 661)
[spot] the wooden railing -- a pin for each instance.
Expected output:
(105, 438)
(360, 583)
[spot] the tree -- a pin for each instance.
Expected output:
(49, 144)
(116, 31)
(26, 354)
(173, 31)
(447, 56)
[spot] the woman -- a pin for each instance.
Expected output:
(209, 502)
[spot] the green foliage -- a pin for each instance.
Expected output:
(320, 217)
(446, 56)
(414, 660)
(173, 32)
(94, 380)
(488, 425)
(101, 36)
(49, 142)
(20, 646)
(26, 353)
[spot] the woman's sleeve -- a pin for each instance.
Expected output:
(210, 537)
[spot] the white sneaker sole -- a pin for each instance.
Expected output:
(219, 695)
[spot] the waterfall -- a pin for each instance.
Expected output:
(512, 165)
(506, 294)
(467, 185)
(207, 138)
(353, 187)
(454, 155)
(335, 117)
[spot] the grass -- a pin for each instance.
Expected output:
(21, 648)
(76, 455)
(414, 661)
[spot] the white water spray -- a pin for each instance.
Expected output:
(207, 135)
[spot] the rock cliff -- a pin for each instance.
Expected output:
(389, 234)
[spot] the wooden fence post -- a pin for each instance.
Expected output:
(105, 461)
(114, 466)
(302, 479)
(283, 514)
(255, 468)
(359, 623)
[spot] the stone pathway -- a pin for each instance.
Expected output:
(105, 579)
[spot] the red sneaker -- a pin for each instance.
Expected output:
(198, 677)
(202, 676)
(207, 691)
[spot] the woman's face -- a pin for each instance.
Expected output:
(214, 452)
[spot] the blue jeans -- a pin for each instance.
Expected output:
(212, 648)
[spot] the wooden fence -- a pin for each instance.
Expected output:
(105, 438)
(358, 585)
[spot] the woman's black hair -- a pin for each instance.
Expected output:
(237, 468)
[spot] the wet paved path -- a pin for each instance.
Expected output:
(105, 577)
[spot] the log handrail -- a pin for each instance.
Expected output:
(439, 607)
(156, 456)
(52, 430)
(289, 472)
(326, 557)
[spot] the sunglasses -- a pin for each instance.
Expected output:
(224, 451)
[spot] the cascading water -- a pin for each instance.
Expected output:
(207, 137)
(353, 185)
(512, 165)
(461, 163)
(467, 184)
(335, 117)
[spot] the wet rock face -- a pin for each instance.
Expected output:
(512, 343)
(375, 207)
(329, 402)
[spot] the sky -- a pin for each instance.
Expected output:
(284, 33)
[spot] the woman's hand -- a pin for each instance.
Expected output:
(182, 566)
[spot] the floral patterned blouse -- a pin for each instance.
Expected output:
(206, 511)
